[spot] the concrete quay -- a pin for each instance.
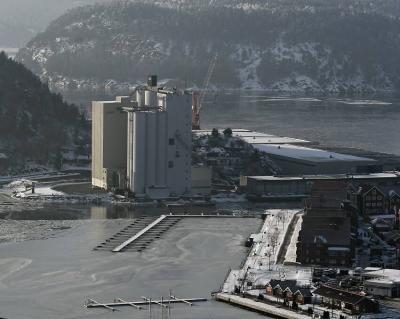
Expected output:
(260, 307)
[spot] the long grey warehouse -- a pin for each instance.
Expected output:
(300, 185)
(295, 160)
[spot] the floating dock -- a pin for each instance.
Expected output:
(137, 236)
(163, 303)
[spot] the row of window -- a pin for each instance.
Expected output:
(374, 197)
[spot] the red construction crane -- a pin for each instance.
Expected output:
(198, 97)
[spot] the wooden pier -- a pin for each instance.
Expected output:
(139, 305)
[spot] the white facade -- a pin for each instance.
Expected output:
(159, 144)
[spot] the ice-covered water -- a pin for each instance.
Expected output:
(51, 278)
(48, 267)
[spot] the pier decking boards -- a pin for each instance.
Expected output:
(137, 236)
(163, 303)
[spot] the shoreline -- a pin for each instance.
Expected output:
(254, 265)
(260, 307)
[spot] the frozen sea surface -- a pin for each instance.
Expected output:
(52, 278)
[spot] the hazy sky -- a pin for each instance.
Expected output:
(20, 20)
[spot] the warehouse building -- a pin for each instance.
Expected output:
(295, 159)
(301, 185)
(382, 282)
(301, 157)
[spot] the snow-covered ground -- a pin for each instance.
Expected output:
(291, 252)
(262, 263)
(21, 188)
(36, 176)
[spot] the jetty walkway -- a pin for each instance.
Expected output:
(143, 231)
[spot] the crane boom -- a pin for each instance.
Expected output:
(198, 98)
(207, 79)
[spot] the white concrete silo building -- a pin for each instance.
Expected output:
(159, 143)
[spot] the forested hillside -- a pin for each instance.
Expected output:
(35, 124)
(317, 45)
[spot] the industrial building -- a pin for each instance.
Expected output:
(159, 143)
(382, 282)
(301, 185)
(294, 156)
(293, 159)
(109, 143)
(147, 136)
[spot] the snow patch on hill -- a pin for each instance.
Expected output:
(249, 58)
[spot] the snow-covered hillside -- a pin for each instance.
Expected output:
(288, 45)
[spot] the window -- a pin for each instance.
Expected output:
(171, 141)
(170, 164)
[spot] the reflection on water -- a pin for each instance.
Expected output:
(67, 211)
(98, 212)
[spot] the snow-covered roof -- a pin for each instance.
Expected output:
(379, 282)
(271, 140)
(253, 137)
(386, 274)
(282, 146)
(307, 154)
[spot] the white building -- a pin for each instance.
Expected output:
(159, 143)
(382, 282)
(144, 142)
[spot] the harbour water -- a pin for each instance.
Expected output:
(47, 265)
(369, 122)
(52, 278)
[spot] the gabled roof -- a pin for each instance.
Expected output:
(365, 189)
(393, 193)
(339, 294)
(289, 285)
(393, 235)
(283, 284)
